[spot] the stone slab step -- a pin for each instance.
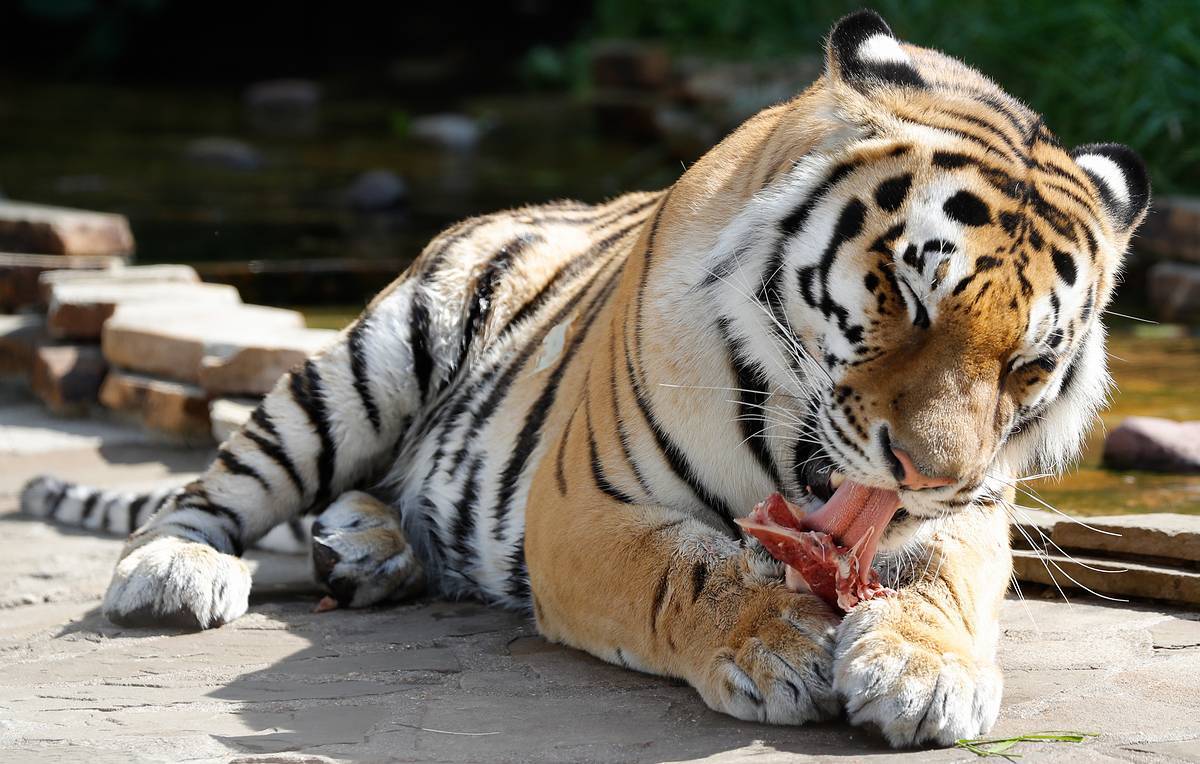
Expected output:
(67, 378)
(20, 337)
(1160, 537)
(174, 408)
(20, 274)
(41, 229)
(1114, 578)
(239, 343)
(257, 361)
(78, 309)
(159, 274)
(229, 414)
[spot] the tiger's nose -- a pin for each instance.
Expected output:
(912, 478)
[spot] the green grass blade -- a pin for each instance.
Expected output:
(1002, 746)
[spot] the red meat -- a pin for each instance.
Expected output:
(839, 573)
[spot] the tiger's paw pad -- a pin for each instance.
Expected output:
(360, 553)
(779, 670)
(912, 694)
(174, 582)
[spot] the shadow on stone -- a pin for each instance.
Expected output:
(458, 681)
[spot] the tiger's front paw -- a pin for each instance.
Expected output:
(913, 691)
(776, 664)
(174, 582)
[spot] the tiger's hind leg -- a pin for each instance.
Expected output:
(331, 422)
(360, 554)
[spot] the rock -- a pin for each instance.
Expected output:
(224, 153)
(159, 404)
(1151, 443)
(1115, 578)
(161, 274)
(19, 275)
(284, 106)
(173, 343)
(451, 131)
(20, 337)
(229, 414)
(79, 309)
(67, 378)
(252, 362)
(42, 230)
(1172, 229)
(630, 65)
(1175, 291)
(1149, 537)
(628, 115)
(376, 190)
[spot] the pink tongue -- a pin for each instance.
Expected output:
(856, 516)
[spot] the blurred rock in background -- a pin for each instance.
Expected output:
(289, 107)
(1155, 444)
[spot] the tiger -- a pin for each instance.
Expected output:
(896, 278)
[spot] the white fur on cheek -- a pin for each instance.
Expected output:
(1054, 441)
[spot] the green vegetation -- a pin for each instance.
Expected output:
(1099, 70)
(1002, 746)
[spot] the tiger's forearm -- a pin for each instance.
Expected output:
(956, 592)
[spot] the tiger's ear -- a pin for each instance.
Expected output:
(1120, 178)
(862, 51)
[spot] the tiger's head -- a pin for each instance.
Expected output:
(908, 258)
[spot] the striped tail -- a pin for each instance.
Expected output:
(119, 513)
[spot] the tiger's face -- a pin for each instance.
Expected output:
(923, 270)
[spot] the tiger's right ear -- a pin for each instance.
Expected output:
(862, 52)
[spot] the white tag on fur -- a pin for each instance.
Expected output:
(552, 345)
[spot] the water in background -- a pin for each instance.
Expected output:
(203, 182)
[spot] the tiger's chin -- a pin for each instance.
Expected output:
(901, 531)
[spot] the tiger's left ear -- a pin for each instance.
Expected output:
(863, 52)
(1121, 180)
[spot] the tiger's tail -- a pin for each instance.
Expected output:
(120, 513)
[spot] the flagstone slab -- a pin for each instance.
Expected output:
(160, 274)
(20, 275)
(67, 378)
(163, 405)
(42, 229)
(173, 343)
(79, 310)
(257, 361)
(1108, 577)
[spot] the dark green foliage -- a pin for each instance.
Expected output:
(1099, 70)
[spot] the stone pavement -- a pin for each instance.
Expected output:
(448, 682)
